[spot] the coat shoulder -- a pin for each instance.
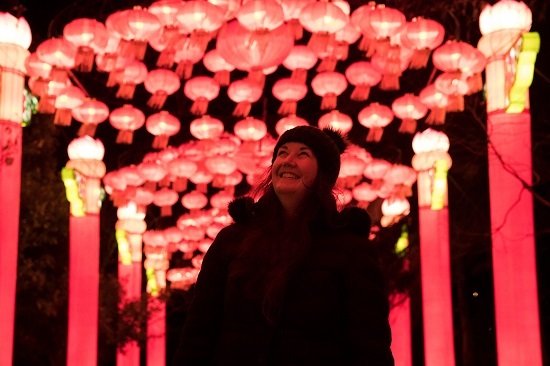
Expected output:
(356, 220)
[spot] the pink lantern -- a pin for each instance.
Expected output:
(89, 37)
(260, 16)
(409, 109)
(300, 59)
(291, 11)
(201, 19)
(182, 278)
(90, 113)
(363, 76)
(221, 166)
(336, 120)
(329, 85)
(364, 194)
(323, 19)
(131, 175)
(437, 102)
(162, 125)
(165, 198)
(114, 67)
(206, 127)
(167, 45)
(391, 64)
(215, 63)
(423, 36)
(36, 67)
(153, 172)
(289, 122)
(161, 83)
(60, 54)
(454, 85)
(187, 54)
(202, 177)
(376, 170)
(244, 92)
(182, 169)
(201, 90)
(250, 129)
(351, 170)
(343, 38)
(357, 18)
(393, 209)
(401, 177)
(194, 200)
(221, 199)
(385, 22)
(66, 100)
(126, 119)
(375, 117)
(454, 56)
(134, 73)
(289, 91)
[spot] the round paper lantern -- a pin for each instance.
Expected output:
(161, 83)
(375, 117)
(89, 37)
(430, 140)
(201, 178)
(162, 125)
(182, 169)
(244, 92)
(409, 109)
(221, 199)
(36, 67)
(134, 73)
(454, 85)
(384, 22)
(454, 56)
(323, 19)
(291, 11)
(376, 170)
(86, 148)
(201, 90)
(300, 59)
(153, 172)
(391, 65)
(90, 113)
(131, 175)
(187, 54)
(201, 19)
(215, 63)
(289, 122)
(401, 177)
(126, 119)
(392, 209)
(194, 200)
(165, 198)
(336, 120)
(364, 194)
(363, 76)
(182, 278)
(357, 18)
(206, 127)
(15, 30)
(250, 129)
(220, 165)
(423, 36)
(437, 102)
(289, 91)
(329, 85)
(67, 99)
(498, 16)
(351, 170)
(260, 16)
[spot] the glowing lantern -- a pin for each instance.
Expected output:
(300, 59)
(106, 58)
(363, 76)
(329, 85)
(437, 102)
(375, 117)
(162, 125)
(134, 26)
(289, 122)
(165, 198)
(473, 72)
(118, 64)
(221, 166)
(364, 194)
(133, 73)
(213, 229)
(201, 19)
(131, 175)
(202, 177)
(90, 113)
(215, 63)
(166, 11)
(401, 177)
(201, 90)
(343, 38)
(289, 91)
(244, 92)
(291, 11)
(60, 54)
(153, 172)
(351, 170)
(391, 64)
(89, 37)
(36, 67)
(385, 22)
(126, 119)
(453, 56)
(194, 200)
(375, 170)
(323, 19)
(206, 127)
(66, 100)
(336, 120)
(166, 46)
(250, 129)
(182, 278)
(409, 109)
(454, 85)
(221, 199)
(423, 36)
(161, 83)
(357, 18)
(187, 54)
(393, 209)
(181, 168)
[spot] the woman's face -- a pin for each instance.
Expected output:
(293, 172)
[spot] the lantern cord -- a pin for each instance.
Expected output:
(77, 82)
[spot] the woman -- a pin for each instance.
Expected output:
(293, 281)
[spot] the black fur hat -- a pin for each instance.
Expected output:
(327, 145)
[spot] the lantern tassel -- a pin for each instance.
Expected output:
(456, 103)
(166, 211)
(84, 59)
(160, 142)
(200, 39)
(408, 125)
(87, 129)
(158, 99)
(166, 58)
(222, 77)
(390, 82)
(436, 116)
(126, 91)
(375, 134)
(360, 92)
(475, 83)
(320, 41)
(327, 64)
(242, 109)
(125, 137)
(367, 45)
(420, 59)
(299, 74)
(199, 107)
(328, 101)
(139, 48)
(62, 117)
(184, 70)
(46, 104)
(180, 184)
(288, 107)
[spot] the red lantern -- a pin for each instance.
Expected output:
(375, 170)
(437, 102)
(363, 76)
(89, 37)
(126, 119)
(291, 11)
(422, 35)
(162, 125)
(323, 19)
(391, 65)
(351, 170)
(260, 15)
(202, 177)
(187, 54)
(364, 193)
(357, 18)
(401, 177)
(182, 278)
(384, 22)
(206, 127)
(375, 117)
(220, 200)
(36, 67)
(201, 19)
(165, 198)
(289, 91)
(410, 109)
(194, 200)
(161, 83)
(131, 175)
(182, 169)
(250, 129)
(329, 85)
(343, 38)
(454, 85)
(289, 122)
(90, 113)
(60, 54)
(66, 100)
(244, 92)
(134, 73)
(336, 120)
(300, 59)
(201, 90)
(153, 172)
(215, 63)
(454, 56)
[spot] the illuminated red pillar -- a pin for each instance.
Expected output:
(432, 162)
(400, 323)
(156, 333)
(130, 280)
(15, 38)
(511, 53)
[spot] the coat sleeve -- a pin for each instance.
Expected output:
(367, 307)
(202, 325)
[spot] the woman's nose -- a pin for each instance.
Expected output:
(290, 159)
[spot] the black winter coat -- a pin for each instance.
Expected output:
(335, 310)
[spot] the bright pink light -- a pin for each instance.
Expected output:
(129, 277)
(400, 322)
(156, 334)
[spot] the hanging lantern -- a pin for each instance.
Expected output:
(391, 65)
(289, 91)
(201, 90)
(206, 127)
(90, 113)
(409, 109)
(375, 117)
(166, 47)
(385, 22)
(336, 120)
(423, 36)
(194, 200)
(401, 177)
(165, 198)
(134, 73)
(351, 170)
(454, 86)
(117, 66)
(300, 59)
(166, 11)
(363, 76)
(66, 100)
(60, 54)
(162, 125)
(187, 54)
(131, 175)
(182, 278)
(364, 194)
(126, 119)
(161, 83)
(454, 56)
(201, 19)
(105, 59)
(221, 166)
(343, 39)
(37, 68)
(153, 172)
(201, 178)
(323, 19)
(357, 18)
(375, 170)
(289, 122)
(215, 63)
(437, 102)
(260, 16)
(474, 71)
(47, 91)
(89, 37)
(393, 209)
(291, 11)
(182, 169)
(244, 92)
(250, 129)
(221, 200)
(329, 85)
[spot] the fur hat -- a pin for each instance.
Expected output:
(327, 145)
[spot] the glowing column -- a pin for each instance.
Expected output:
(82, 178)
(432, 162)
(511, 52)
(15, 39)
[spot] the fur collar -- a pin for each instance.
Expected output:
(355, 219)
